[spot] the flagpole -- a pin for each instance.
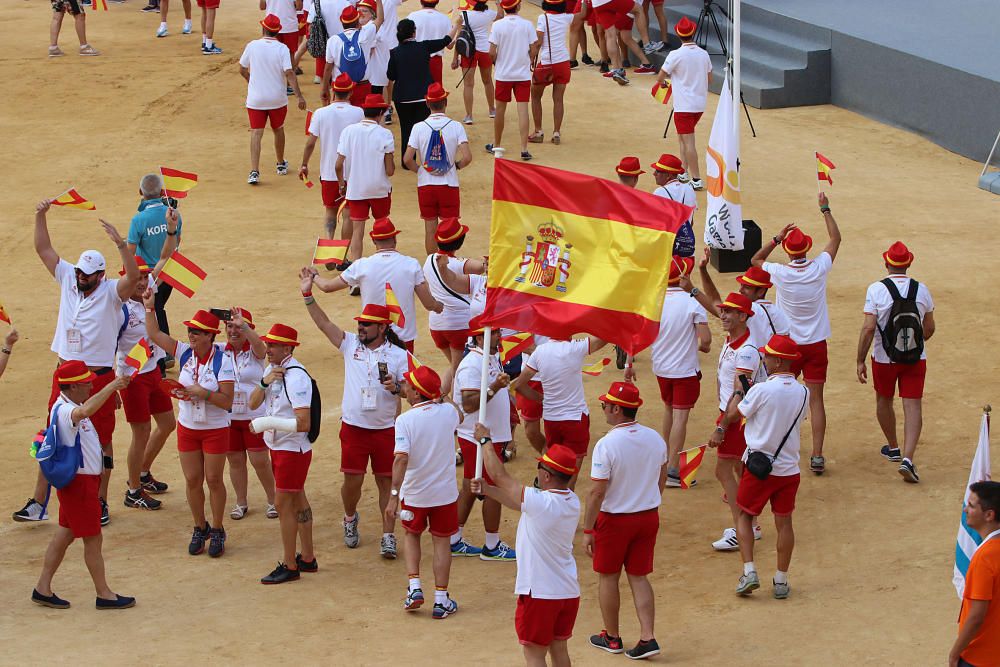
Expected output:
(737, 89)
(819, 184)
(483, 388)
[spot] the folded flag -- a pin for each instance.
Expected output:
(330, 251)
(177, 183)
(309, 117)
(969, 540)
(392, 305)
(513, 345)
(823, 168)
(662, 93)
(138, 356)
(74, 199)
(412, 363)
(306, 181)
(690, 461)
(4, 317)
(183, 274)
(597, 367)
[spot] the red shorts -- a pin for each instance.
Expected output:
(560, 73)
(450, 340)
(437, 68)
(520, 89)
(208, 4)
(144, 397)
(291, 40)
(611, 12)
(679, 393)
(624, 22)
(331, 193)
(469, 458)
(242, 439)
(290, 470)
(443, 519)
(379, 208)
(208, 441)
(625, 540)
(479, 59)
(438, 201)
(909, 376)
(260, 117)
(813, 363)
(574, 433)
(754, 494)
(79, 506)
(360, 92)
(530, 410)
(591, 19)
(685, 121)
(733, 442)
(573, 6)
(542, 622)
(358, 445)
(303, 23)
(104, 419)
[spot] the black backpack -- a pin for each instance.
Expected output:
(903, 336)
(315, 405)
(465, 43)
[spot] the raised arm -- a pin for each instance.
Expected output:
(768, 247)
(258, 346)
(169, 244)
(707, 284)
(43, 245)
(153, 332)
(128, 283)
(8, 346)
(506, 490)
(595, 343)
(710, 305)
(333, 333)
(94, 403)
(833, 245)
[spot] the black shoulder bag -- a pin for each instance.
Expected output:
(758, 463)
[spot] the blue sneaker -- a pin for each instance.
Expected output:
(161, 32)
(213, 50)
(501, 552)
(414, 600)
(186, 30)
(445, 610)
(463, 548)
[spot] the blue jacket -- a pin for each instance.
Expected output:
(148, 230)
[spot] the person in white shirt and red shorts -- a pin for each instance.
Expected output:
(431, 24)
(513, 44)
(552, 67)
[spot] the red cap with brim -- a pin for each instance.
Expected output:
(624, 394)
(736, 301)
(281, 334)
(424, 380)
(797, 243)
(141, 263)
(898, 255)
(629, 166)
(271, 23)
(450, 230)
(343, 83)
(782, 347)
(373, 312)
(559, 458)
(755, 277)
(74, 372)
(685, 27)
(203, 321)
(679, 266)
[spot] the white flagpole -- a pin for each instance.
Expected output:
(483, 388)
(736, 73)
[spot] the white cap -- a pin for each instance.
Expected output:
(91, 262)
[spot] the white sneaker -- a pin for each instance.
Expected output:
(727, 542)
(317, 79)
(697, 184)
(757, 532)
(272, 512)
(467, 120)
(32, 511)
(684, 178)
(161, 32)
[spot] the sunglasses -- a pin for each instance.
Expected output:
(192, 330)
(368, 324)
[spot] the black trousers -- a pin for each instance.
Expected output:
(163, 292)
(409, 114)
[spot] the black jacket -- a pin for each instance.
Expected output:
(410, 68)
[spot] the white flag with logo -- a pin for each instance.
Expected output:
(724, 214)
(969, 539)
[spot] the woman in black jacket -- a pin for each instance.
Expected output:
(410, 70)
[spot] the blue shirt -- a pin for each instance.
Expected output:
(148, 230)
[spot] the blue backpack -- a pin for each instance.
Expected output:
(217, 358)
(352, 59)
(436, 156)
(59, 463)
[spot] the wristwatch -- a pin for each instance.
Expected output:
(487, 439)
(719, 429)
(394, 493)
(694, 291)
(490, 393)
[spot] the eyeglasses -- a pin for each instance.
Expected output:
(192, 330)
(368, 324)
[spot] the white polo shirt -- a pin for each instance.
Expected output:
(426, 433)
(513, 37)
(284, 10)
(431, 24)
(364, 146)
(366, 402)
(331, 10)
(268, 60)
(768, 320)
(480, 23)
(282, 398)
(688, 67)
(560, 363)
(328, 123)
(87, 329)
(388, 266)
(878, 302)
(453, 133)
(629, 457)
(477, 295)
(771, 408)
(456, 314)
(738, 357)
(468, 377)
(675, 351)
(132, 331)
(801, 293)
(552, 47)
(196, 413)
(248, 371)
(335, 45)
(385, 41)
(681, 193)
(546, 569)
(90, 444)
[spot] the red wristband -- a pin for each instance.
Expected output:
(588, 531)
(306, 295)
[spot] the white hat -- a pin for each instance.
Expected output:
(91, 262)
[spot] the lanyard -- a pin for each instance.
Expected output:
(198, 364)
(368, 356)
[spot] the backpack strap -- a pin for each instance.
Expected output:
(446, 288)
(284, 386)
(185, 357)
(911, 295)
(769, 320)
(790, 428)
(890, 285)
(124, 326)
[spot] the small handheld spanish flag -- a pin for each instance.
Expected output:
(177, 183)
(412, 363)
(138, 356)
(688, 465)
(515, 344)
(74, 199)
(597, 367)
(99, 5)
(392, 305)
(306, 181)
(662, 93)
(183, 274)
(330, 251)
(824, 168)
(4, 317)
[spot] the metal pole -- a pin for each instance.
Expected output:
(483, 388)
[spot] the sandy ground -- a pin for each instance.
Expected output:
(872, 567)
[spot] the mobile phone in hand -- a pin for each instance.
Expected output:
(383, 371)
(222, 313)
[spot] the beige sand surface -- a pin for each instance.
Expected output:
(872, 567)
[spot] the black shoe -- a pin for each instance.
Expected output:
(152, 485)
(53, 601)
(120, 602)
(909, 471)
(343, 266)
(306, 566)
(604, 67)
(489, 148)
(280, 575)
(525, 155)
(587, 60)
(151, 8)
(626, 64)
(892, 454)
(216, 542)
(606, 642)
(141, 500)
(643, 650)
(573, 64)
(105, 515)
(198, 540)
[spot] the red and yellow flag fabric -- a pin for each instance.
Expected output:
(309, 117)
(395, 310)
(305, 181)
(412, 363)
(138, 356)
(662, 93)
(4, 317)
(99, 5)
(597, 367)
(570, 253)
(330, 251)
(74, 199)
(690, 461)
(185, 276)
(177, 183)
(514, 344)
(824, 168)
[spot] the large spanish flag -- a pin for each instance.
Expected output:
(74, 199)
(176, 183)
(571, 253)
(185, 276)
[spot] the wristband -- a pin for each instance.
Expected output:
(150, 310)
(309, 301)
(264, 385)
(775, 240)
(824, 209)
(694, 291)
(5, 350)
(209, 394)
(171, 233)
(307, 294)
(588, 531)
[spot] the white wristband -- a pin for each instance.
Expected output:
(273, 424)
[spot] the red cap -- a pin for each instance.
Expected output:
(281, 334)
(141, 263)
(755, 277)
(736, 301)
(436, 93)
(368, 4)
(668, 163)
(203, 321)
(898, 255)
(560, 458)
(349, 15)
(383, 229)
(248, 317)
(629, 166)
(374, 101)
(428, 2)
(74, 372)
(271, 23)
(450, 229)
(781, 346)
(625, 394)
(509, 4)
(343, 82)
(374, 313)
(797, 243)
(678, 265)
(424, 380)
(685, 27)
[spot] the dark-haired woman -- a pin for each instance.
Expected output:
(480, 18)
(552, 68)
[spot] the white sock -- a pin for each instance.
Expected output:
(492, 540)
(203, 38)
(457, 537)
(906, 460)
(441, 596)
(749, 567)
(209, 43)
(780, 577)
(414, 584)
(133, 491)
(144, 473)
(163, 25)
(348, 519)
(384, 535)
(187, 24)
